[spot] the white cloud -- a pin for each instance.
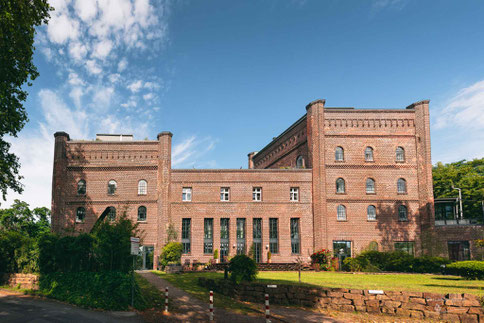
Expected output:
(394, 4)
(189, 152)
(114, 78)
(102, 98)
(77, 51)
(74, 79)
(148, 96)
(102, 49)
(86, 9)
(122, 64)
(135, 86)
(76, 95)
(92, 67)
(131, 103)
(62, 28)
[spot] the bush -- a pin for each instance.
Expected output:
(171, 253)
(472, 269)
(355, 264)
(322, 258)
(106, 290)
(242, 268)
(215, 254)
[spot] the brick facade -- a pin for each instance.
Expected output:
(314, 138)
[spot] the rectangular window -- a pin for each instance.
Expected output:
(257, 194)
(224, 239)
(224, 193)
(342, 249)
(257, 239)
(186, 233)
(459, 250)
(208, 236)
(295, 239)
(241, 236)
(273, 236)
(405, 246)
(187, 194)
(294, 194)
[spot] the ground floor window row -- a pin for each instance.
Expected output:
(240, 243)
(81, 214)
(371, 213)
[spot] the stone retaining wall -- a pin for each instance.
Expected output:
(25, 281)
(450, 307)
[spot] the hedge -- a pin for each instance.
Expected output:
(468, 269)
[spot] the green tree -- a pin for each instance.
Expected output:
(18, 19)
(20, 218)
(466, 175)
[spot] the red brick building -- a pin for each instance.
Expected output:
(338, 178)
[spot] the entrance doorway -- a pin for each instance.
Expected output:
(459, 250)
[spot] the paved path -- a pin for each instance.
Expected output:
(22, 308)
(194, 310)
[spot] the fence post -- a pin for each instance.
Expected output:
(211, 305)
(166, 299)
(268, 311)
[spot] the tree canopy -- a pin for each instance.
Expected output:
(466, 175)
(20, 218)
(18, 19)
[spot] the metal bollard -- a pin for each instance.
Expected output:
(268, 311)
(166, 299)
(211, 305)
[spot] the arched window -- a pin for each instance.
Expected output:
(300, 162)
(341, 213)
(371, 212)
(370, 185)
(80, 214)
(142, 187)
(401, 186)
(340, 185)
(112, 213)
(402, 213)
(339, 154)
(81, 187)
(112, 186)
(368, 154)
(142, 213)
(400, 154)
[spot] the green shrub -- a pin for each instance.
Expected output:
(472, 269)
(105, 290)
(171, 253)
(322, 258)
(399, 261)
(215, 254)
(242, 268)
(355, 264)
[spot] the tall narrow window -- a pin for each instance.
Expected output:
(112, 213)
(224, 193)
(400, 154)
(208, 236)
(300, 162)
(186, 235)
(273, 235)
(340, 185)
(224, 239)
(370, 185)
(257, 194)
(186, 194)
(341, 213)
(401, 186)
(142, 213)
(112, 186)
(257, 238)
(294, 194)
(371, 213)
(81, 187)
(295, 239)
(80, 214)
(339, 154)
(368, 154)
(241, 236)
(402, 213)
(142, 187)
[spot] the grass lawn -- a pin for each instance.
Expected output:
(399, 282)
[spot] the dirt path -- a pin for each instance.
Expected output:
(195, 310)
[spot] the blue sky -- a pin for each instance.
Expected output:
(227, 76)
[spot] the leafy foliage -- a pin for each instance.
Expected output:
(242, 268)
(467, 175)
(468, 269)
(322, 258)
(171, 254)
(18, 19)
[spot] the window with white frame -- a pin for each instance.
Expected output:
(294, 194)
(370, 185)
(142, 187)
(81, 187)
(257, 194)
(371, 213)
(339, 154)
(224, 193)
(340, 185)
(400, 154)
(341, 212)
(401, 186)
(142, 213)
(112, 186)
(186, 194)
(300, 162)
(80, 214)
(368, 154)
(402, 213)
